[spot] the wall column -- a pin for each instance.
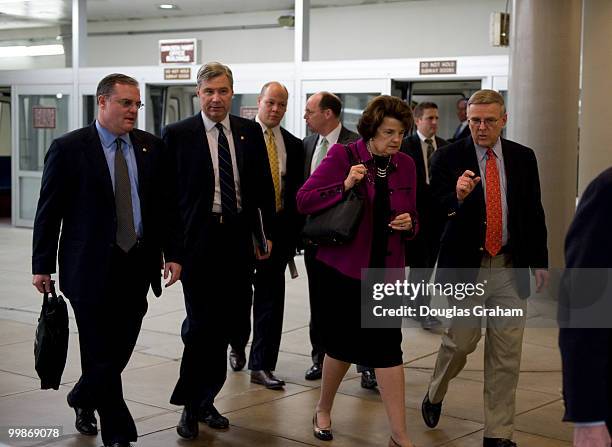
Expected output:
(543, 103)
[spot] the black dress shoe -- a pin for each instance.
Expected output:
(85, 423)
(118, 444)
(237, 359)
(430, 322)
(498, 442)
(314, 372)
(324, 434)
(267, 379)
(431, 412)
(188, 424)
(211, 417)
(368, 380)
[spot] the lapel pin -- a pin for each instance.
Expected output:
(241, 137)
(144, 149)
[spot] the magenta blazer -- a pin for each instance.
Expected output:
(325, 187)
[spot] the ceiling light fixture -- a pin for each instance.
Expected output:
(167, 6)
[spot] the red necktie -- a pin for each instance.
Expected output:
(493, 241)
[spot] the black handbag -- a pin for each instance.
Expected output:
(338, 224)
(51, 342)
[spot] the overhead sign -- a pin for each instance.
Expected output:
(437, 67)
(177, 51)
(173, 74)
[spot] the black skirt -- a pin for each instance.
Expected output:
(340, 322)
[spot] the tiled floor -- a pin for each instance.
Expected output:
(258, 416)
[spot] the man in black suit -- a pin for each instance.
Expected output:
(285, 154)
(322, 116)
(422, 251)
(586, 351)
(462, 130)
(224, 181)
(112, 190)
(495, 233)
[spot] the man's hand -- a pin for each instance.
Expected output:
(592, 436)
(541, 278)
(263, 256)
(174, 270)
(466, 184)
(42, 283)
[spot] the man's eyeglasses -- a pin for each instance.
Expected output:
(488, 122)
(128, 104)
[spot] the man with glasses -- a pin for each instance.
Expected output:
(322, 115)
(112, 190)
(494, 235)
(224, 183)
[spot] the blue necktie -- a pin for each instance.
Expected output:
(229, 206)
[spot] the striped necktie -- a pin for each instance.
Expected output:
(229, 204)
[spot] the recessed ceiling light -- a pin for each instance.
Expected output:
(167, 6)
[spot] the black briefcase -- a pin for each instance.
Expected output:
(51, 342)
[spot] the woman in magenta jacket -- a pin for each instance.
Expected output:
(386, 178)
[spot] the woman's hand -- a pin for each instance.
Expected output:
(402, 222)
(354, 176)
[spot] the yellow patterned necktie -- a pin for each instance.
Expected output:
(274, 167)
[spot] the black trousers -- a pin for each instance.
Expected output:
(314, 297)
(108, 330)
(422, 263)
(217, 279)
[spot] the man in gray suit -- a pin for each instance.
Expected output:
(322, 115)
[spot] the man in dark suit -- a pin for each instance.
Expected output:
(285, 154)
(495, 233)
(112, 190)
(224, 181)
(586, 351)
(322, 116)
(462, 130)
(422, 251)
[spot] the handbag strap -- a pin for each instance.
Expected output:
(353, 161)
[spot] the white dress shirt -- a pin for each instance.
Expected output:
(212, 135)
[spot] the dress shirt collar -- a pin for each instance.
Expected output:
(210, 124)
(108, 138)
(274, 129)
(423, 138)
(332, 137)
(482, 151)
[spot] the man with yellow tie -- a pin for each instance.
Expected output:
(285, 157)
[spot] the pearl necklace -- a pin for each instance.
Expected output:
(380, 172)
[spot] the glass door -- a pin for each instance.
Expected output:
(40, 114)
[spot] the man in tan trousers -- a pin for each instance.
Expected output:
(495, 233)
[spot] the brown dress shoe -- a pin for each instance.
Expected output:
(267, 379)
